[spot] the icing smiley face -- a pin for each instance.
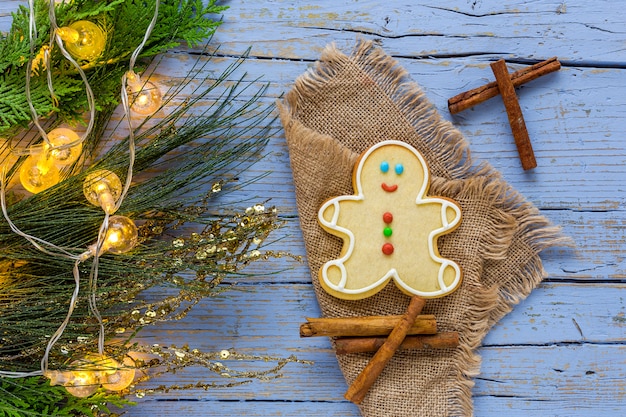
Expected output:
(384, 168)
(390, 228)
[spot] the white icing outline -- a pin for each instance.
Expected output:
(392, 273)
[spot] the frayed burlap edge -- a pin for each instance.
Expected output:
(454, 172)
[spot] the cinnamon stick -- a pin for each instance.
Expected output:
(361, 385)
(364, 326)
(514, 113)
(473, 97)
(346, 345)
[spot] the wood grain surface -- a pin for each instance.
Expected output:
(562, 351)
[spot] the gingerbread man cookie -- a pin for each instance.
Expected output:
(390, 228)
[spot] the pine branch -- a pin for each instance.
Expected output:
(222, 143)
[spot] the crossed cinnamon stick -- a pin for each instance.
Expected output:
(505, 85)
(424, 324)
(383, 335)
(361, 385)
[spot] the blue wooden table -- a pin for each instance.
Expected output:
(562, 351)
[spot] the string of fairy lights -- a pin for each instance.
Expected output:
(82, 42)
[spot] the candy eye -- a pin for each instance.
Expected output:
(384, 167)
(399, 169)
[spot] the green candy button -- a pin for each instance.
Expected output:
(387, 231)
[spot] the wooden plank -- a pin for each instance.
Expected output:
(201, 408)
(565, 313)
(267, 317)
(521, 381)
(570, 380)
(584, 31)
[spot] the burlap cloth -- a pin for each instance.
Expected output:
(334, 112)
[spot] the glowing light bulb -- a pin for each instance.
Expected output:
(58, 377)
(83, 39)
(82, 384)
(59, 137)
(121, 236)
(144, 98)
(37, 175)
(114, 376)
(40, 170)
(80, 381)
(103, 188)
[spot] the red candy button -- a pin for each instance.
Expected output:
(387, 217)
(387, 248)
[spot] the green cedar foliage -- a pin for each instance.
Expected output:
(125, 23)
(34, 397)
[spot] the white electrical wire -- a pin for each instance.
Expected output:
(93, 281)
(129, 176)
(59, 332)
(126, 106)
(35, 241)
(40, 243)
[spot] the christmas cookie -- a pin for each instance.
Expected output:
(390, 228)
